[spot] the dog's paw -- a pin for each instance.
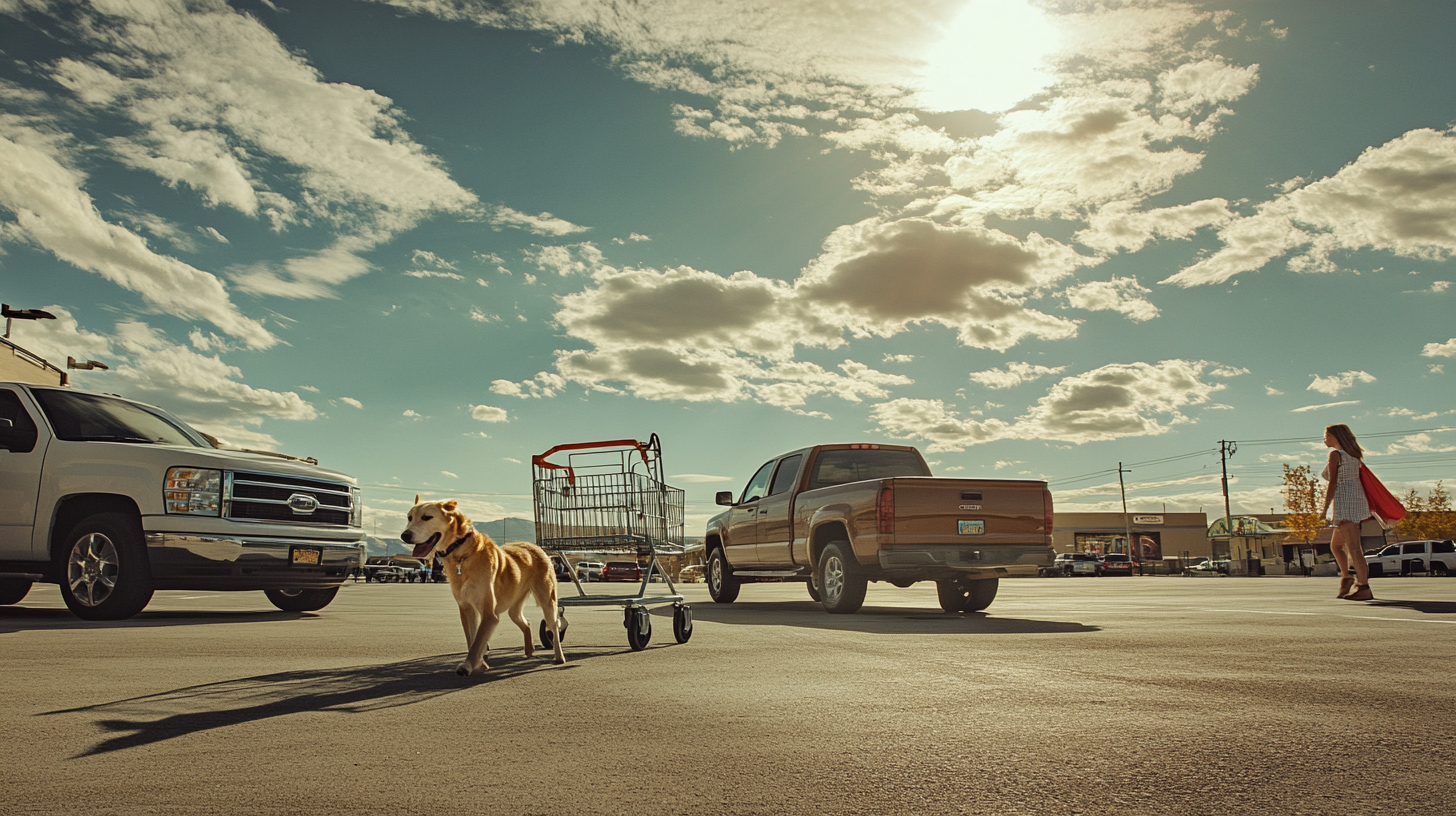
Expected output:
(560, 661)
(463, 669)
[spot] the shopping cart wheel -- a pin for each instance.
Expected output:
(548, 639)
(639, 627)
(682, 622)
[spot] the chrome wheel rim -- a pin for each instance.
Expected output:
(290, 593)
(92, 568)
(715, 575)
(833, 579)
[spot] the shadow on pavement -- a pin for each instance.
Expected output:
(21, 618)
(876, 619)
(1427, 607)
(154, 718)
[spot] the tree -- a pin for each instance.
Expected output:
(1430, 517)
(1303, 501)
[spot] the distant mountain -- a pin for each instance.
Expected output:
(509, 529)
(386, 546)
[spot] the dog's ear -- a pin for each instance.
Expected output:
(450, 505)
(417, 498)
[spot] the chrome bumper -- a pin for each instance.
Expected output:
(993, 559)
(198, 561)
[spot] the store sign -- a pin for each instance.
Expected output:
(1147, 519)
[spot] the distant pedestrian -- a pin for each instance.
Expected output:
(1348, 497)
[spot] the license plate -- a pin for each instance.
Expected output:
(971, 527)
(301, 555)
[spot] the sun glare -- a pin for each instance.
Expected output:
(990, 58)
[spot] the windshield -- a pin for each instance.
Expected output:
(94, 418)
(836, 467)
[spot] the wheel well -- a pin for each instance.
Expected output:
(72, 509)
(710, 543)
(823, 535)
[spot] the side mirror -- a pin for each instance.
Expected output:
(724, 498)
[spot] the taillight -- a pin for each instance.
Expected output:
(885, 511)
(1046, 505)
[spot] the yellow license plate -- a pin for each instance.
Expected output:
(971, 527)
(305, 556)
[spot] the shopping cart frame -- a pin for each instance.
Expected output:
(611, 496)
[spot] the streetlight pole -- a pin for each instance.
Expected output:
(1126, 528)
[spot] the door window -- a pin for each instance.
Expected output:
(786, 474)
(757, 485)
(19, 435)
(1415, 548)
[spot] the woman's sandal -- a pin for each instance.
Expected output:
(1362, 593)
(1346, 584)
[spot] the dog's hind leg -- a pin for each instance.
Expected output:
(519, 616)
(546, 599)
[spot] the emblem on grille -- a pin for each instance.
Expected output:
(302, 503)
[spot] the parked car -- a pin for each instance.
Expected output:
(1218, 566)
(589, 571)
(621, 571)
(1438, 557)
(563, 572)
(1115, 564)
(115, 499)
(691, 574)
(1074, 563)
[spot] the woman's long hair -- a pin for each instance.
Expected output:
(1346, 439)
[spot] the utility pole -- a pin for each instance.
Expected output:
(1227, 448)
(1126, 529)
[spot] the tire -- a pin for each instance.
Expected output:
(682, 623)
(841, 581)
(1437, 568)
(13, 591)
(967, 595)
(1377, 571)
(548, 640)
(301, 600)
(104, 570)
(639, 627)
(722, 586)
(813, 590)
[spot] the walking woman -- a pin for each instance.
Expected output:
(1343, 474)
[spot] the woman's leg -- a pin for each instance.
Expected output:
(1349, 531)
(1337, 549)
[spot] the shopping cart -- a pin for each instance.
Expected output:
(610, 497)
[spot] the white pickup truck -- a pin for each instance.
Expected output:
(1438, 557)
(113, 499)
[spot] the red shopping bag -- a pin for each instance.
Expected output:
(1381, 502)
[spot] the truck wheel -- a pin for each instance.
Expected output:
(966, 594)
(105, 574)
(301, 600)
(1437, 568)
(841, 582)
(722, 586)
(13, 591)
(813, 585)
(1377, 571)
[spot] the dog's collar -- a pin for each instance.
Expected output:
(458, 542)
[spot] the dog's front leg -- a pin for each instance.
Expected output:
(475, 658)
(470, 621)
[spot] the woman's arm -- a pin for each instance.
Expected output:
(1334, 468)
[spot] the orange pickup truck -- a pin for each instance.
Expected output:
(840, 516)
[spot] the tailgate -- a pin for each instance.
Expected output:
(981, 511)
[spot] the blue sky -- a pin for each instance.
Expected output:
(425, 240)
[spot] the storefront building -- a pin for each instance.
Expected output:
(1155, 536)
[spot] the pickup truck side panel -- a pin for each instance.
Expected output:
(20, 489)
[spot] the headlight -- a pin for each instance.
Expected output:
(356, 516)
(194, 491)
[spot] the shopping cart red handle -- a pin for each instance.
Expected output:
(539, 460)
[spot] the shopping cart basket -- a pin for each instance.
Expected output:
(610, 497)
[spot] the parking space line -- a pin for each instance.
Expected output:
(1261, 612)
(1405, 620)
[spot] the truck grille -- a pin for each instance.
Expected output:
(267, 497)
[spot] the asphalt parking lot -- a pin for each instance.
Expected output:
(1095, 695)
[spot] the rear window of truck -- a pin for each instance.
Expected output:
(836, 467)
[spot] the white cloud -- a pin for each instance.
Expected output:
(1228, 372)
(571, 259)
(1117, 295)
(486, 413)
(1399, 197)
(543, 385)
(1111, 402)
(481, 317)
(1014, 374)
(1270, 390)
(425, 258)
(430, 273)
(899, 358)
(448, 473)
(699, 478)
(1418, 443)
(1308, 408)
(412, 414)
(1334, 384)
(351, 401)
(1446, 349)
(543, 224)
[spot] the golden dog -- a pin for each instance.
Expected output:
(485, 577)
